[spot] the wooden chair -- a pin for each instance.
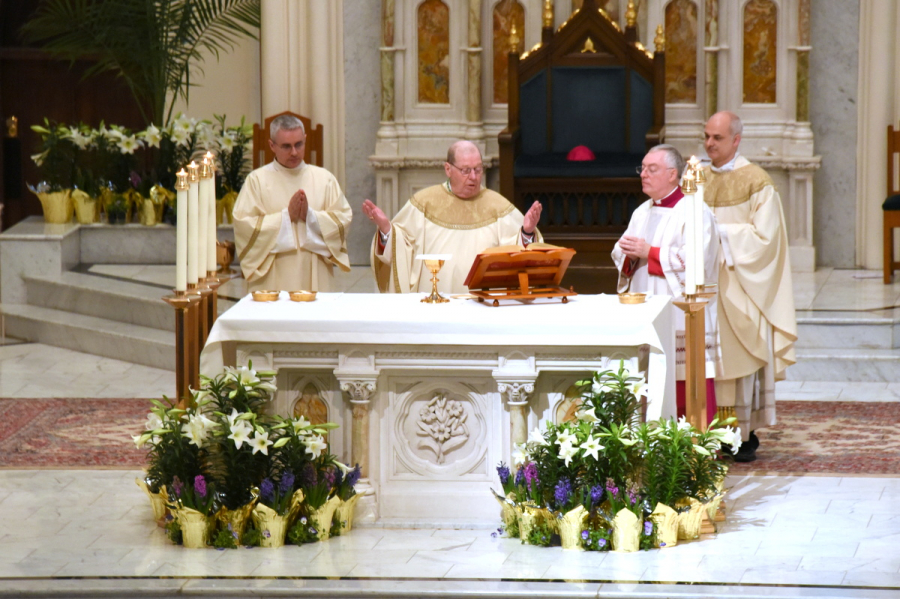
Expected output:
(588, 84)
(262, 154)
(891, 206)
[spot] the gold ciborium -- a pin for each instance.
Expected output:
(434, 262)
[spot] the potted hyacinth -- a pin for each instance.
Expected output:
(278, 501)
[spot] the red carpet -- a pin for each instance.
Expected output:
(829, 437)
(71, 433)
(811, 437)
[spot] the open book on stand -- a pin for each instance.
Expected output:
(520, 273)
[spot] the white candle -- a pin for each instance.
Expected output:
(699, 274)
(181, 231)
(193, 216)
(203, 212)
(690, 235)
(211, 265)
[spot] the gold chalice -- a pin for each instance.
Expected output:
(434, 262)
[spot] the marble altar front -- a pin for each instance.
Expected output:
(431, 397)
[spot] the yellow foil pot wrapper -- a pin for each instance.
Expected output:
(57, 205)
(508, 511)
(570, 526)
(345, 511)
(271, 525)
(302, 296)
(323, 517)
(236, 518)
(690, 521)
(87, 209)
(665, 519)
(224, 207)
(626, 532)
(266, 295)
(157, 501)
(195, 527)
(147, 213)
(632, 298)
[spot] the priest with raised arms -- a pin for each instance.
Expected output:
(652, 254)
(458, 218)
(291, 219)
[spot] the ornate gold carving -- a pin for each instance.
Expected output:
(548, 13)
(12, 126)
(631, 15)
(588, 46)
(513, 38)
(660, 40)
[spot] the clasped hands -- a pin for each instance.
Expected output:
(377, 216)
(298, 206)
(634, 247)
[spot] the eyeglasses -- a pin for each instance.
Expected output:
(652, 169)
(478, 170)
(288, 147)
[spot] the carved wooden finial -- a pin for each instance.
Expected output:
(631, 15)
(513, 39)
(660, 39)
(548, 13)
(588, 46)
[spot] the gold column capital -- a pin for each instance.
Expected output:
(660, 40)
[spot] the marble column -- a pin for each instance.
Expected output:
(474, 57)
(387, 61)
(711, 51)
(360, 390)
(517, 394)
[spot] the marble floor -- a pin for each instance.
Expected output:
(90, 532)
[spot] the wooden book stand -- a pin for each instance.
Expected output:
(517, 273)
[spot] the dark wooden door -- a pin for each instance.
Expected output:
(34, 86)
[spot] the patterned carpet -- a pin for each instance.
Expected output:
(811, 437)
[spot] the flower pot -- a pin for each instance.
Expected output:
(57, 206)
(148, 215)
(271, 525)
(237, 519)
(345, 512)
(195, 527)
(570, 526)
(508, 513)
(531, 516)
(626, 532)
(690, 520)
(224, 207)
(666, 521)
(157, 501)
(87, 209)
(322, 517)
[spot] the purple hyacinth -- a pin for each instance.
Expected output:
(596, 494)
(338, 477)
(308, 476)
(503, 473)
(648, 528)
(562, 492)
(286, 484)
(611, 487)
(177, 485)
(134, 179)
(520, 476)
(353, 476)
(328, 475)
(632, 496)
(200, 486)
(531, 475)
(267, 490)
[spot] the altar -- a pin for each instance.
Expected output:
(430, 398)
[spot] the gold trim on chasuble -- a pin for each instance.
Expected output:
(734, 187)
(396, 277)
(446, 209)
(259, 222)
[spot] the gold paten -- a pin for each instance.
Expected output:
(302, 296)
(632, 298)
(265, 295)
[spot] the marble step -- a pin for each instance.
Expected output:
(103, 297)
(847, 364)
(845, 329)
(90, 334)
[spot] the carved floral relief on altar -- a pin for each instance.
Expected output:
(760, 33)
(442, 426)
(506, 13)
(434, 52)
(681, 52)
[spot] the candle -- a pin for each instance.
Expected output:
(688, 187)
(203, 216)
(181, 225)
(193, 215)
(211, 265)
(700, 274)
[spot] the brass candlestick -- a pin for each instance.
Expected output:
(185, 341)
(434, 264)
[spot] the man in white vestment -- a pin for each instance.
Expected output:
(757, 326)
(651, 258)
(458, 218)
(291, 219)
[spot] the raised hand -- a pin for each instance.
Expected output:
(634, 247)
(532, 217)
(377, 216)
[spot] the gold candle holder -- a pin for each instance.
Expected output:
(187, 365)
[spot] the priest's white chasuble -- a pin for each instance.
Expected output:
(435, 221)
(277, 254)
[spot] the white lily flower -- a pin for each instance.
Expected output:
(592, 447)
(181, 137)
(567, 451)
(183, 123)
(586, 415)
(240, 433)
(260, 442)
(197, 429)
(315, 445)
(153, 422)
(683, 424)
(153, 136)
(139, 440)
(128, 144)
(565, 436)
(536, 436)
(78, 138)
(301, 425)
(226, 142)
(519, 456)
(345, 469)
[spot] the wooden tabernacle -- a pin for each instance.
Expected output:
(517, 273)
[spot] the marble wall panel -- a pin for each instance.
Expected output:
(833, 106)
(434, 52)
(760, 36)
(505, 14)
(681, 52)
